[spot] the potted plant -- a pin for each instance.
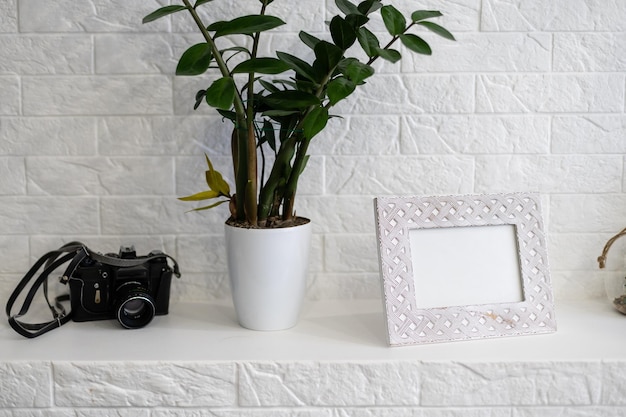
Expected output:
(277, 105)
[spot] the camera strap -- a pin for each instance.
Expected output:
(74, 252)
(49, 262)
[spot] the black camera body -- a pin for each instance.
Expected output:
(133, 295)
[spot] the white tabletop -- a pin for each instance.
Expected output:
(328, 331)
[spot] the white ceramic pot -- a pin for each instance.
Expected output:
(268, 274)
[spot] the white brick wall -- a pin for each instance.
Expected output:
(97, 137)
(312, 389)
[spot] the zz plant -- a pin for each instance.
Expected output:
(279, 104)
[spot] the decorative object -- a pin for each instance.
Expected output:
(463, 267)
(268, 294)
(278, 104)
(615, 288)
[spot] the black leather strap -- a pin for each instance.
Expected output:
(50, 261)
(74, 252)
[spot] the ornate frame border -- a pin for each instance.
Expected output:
(406, 323)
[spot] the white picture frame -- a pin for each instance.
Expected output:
(463, 267)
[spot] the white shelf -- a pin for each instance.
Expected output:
(328, 331)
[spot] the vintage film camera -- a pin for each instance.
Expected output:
(102, 289)
(123, 286)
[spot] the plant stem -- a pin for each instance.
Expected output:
(239, 107)
(283, 157)
(251, 205)
(290, 189)
(300, 160)
(303, 142)
(241, 165)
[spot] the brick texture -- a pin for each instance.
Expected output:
(98, 138)
(312, 389)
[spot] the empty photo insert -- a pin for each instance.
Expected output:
(460, 266)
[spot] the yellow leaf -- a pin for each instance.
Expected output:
(215, 180)
(211, 206)
(203, 195)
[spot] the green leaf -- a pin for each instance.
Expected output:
(203, 195)
(215, 180)
(339, 88)
(304, 163)
(439, 30)
(393, 19)
(342, 32)
(200, 3)
(308, 39)
(355, 70)
(424, 14)
(279, 113)
(245, 25)
(368, 41)
(327, 56)
(347, 7)
(306, 85)
(199, 98)
(287, 84)
(315, 122)
(369, 6)
(261, 66)
(236, 50)
(221, 93)
(416, 44)
(163, 11)
(291, 99)
(268, 86)
(228, 114)
(195, 60)
(269, 135)
(299, 66)
(356, 20)
(390, 55)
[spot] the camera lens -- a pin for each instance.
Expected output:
(136, 309)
